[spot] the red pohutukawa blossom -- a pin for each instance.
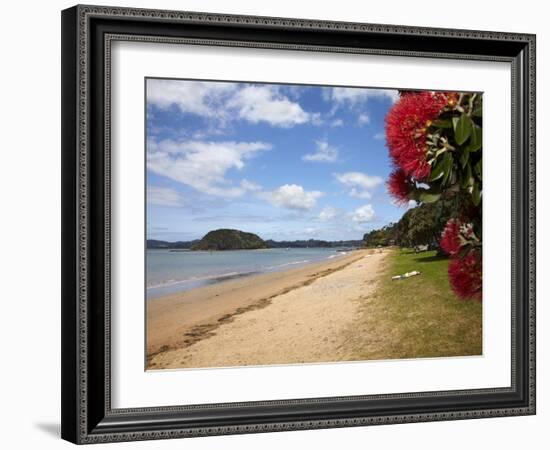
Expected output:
(456, 234)
(465, 275)
(450, 238)
(399, 186)
(465, 271)
(406, 130)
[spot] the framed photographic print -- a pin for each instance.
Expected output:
(279, 224)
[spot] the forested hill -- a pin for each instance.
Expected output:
(226, 239)
(421, 225)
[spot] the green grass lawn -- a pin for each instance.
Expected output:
(418, 316)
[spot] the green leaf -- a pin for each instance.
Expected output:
(455, 122)
(478, 169)
(442, 123)
(477, 112)
(475, 139)
(463, 129)
(448, 160)
(476, 194)
(465, 177)
(447, 176)
(414, 194)
(464, 157)
(438, 170)
(428, 197)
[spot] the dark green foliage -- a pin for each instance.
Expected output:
(454, 152)
(227, 239)
(421, 225)
(383, 237)
(311, 243)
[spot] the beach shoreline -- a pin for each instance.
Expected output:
(196, 269)
(187, 329)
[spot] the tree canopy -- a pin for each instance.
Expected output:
(227, 239)
(421, 225)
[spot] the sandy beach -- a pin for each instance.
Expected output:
(296, 316)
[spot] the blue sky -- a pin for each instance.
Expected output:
(285, 162)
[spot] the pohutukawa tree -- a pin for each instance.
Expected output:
(434, 139)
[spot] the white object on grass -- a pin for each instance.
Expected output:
(406, 275)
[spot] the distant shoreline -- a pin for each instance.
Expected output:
(175, 286)
(154, 244)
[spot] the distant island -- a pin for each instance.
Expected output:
(228, 239)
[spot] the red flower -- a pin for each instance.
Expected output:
(406, 129)
(457, 233)
(465, 275)
(450, 237)
(399, 186)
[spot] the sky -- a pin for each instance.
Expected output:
(286, 162)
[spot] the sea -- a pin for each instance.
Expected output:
(172, 271)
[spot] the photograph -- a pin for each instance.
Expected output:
(299, 224)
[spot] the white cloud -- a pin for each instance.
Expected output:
(328, 213)
(293, 196)
(356, 99)
(337, 123)
(324, 153)
(359, 184)
(265, 104)
(356, 193)
(227, 101)
(363, 119)
(196, 97)
(353, 96)
(380, 136)
(250, 186)
(363, 214)
(202, 165)
(163, 196)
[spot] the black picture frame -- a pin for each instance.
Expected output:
(87, 32)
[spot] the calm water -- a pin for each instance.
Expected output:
(175, 271)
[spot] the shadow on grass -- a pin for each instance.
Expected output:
(427, 259)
